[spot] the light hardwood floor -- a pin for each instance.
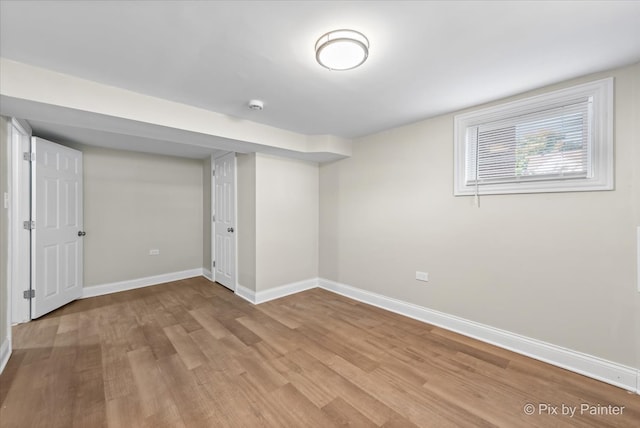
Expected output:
(192, 354)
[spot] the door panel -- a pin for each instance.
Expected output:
(225, 241)
(57, 212)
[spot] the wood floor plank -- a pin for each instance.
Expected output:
(300, 410)
(55, 387)
(217, 353)
(308, 387)
(184, 318)
(399, 422)
(155, 399)
(124, 412)
(267, 377)
(417, 411)
(157, 340)
(89, 402)
(271, 413)
(39, 340)
(116, 372)
(9, 374)
(224, 394)
(335, 385)
(189, 396)
(274, 333)
(333, 344)
(187, 349)
(266, 351)
(89, 354)
(343, 415)
(25, 394)
(68, 323)
(192, 354)
(208, 321)
(280, 314)
(245, 335)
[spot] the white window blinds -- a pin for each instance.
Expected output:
(550, 144)
(559, 141)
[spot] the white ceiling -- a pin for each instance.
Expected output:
(426, 58)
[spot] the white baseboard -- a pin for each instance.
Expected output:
(276, 292)
(207, 274)
(246, 293)
(114, 287)
(588, 365)
(5, 353)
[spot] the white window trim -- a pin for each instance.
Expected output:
(602, 149)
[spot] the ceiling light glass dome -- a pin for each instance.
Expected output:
(342, 49)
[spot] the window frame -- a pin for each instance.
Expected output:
(601, 148)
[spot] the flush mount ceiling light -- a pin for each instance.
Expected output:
(342, 49)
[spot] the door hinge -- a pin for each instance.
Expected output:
(29, 156)
(213, 217)
(29, 294)
(29, 225)
(213, 172)
(214, 263)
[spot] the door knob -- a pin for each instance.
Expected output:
(230, 229)
(81, 233)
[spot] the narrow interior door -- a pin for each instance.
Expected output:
(57, 216)
(225, 215)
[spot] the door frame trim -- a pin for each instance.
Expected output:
(235, 218)
(212, 195)
(20, 309)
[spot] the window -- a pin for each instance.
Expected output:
(556, 142)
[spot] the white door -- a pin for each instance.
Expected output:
(56, 240)
(225, 221)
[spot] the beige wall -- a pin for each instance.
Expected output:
(246, 215)
(206, 216)
(277, 221)
(559, 267)
(286, 221)
(134, 202)
(5, 165)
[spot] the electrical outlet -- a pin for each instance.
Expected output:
(422, 276)
(154, 252)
